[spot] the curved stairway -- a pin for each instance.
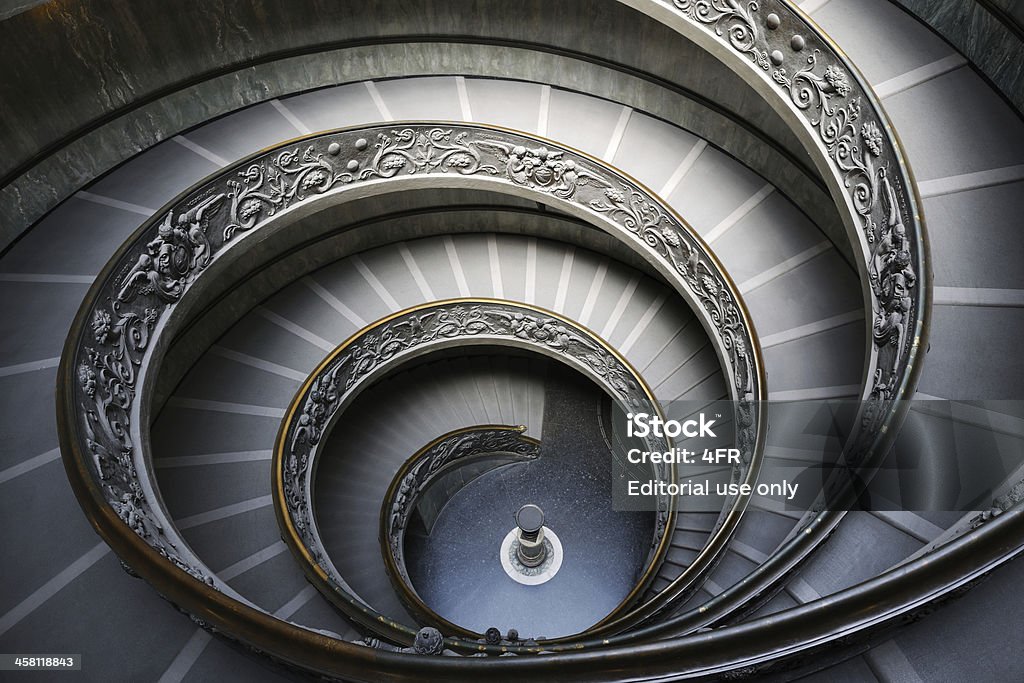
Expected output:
(966, 147)
(234, 397)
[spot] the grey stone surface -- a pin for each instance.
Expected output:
(890, 41)
(798, 297)
(512, 104)
(30, 312)
(125, 603)
(701, 366)
(423, 98)
(29, 396)
(876, 545)
(254, 334)
(243, 132)
(187, 431)
(220, 657)
(216, 378)
(713, 189)
(854, 670)
(250, 532)
(112, 67)
(976, 237)
(965, 628)
(989, 42)
(190, 491)
(159, 174)
(828, 359)
(771, 233)
(273, 583)
(987, 332)
(76, 238)
(956, 124)
(582, 122)
(80, 161)
(333, 106)
(652, 149)
(40, 497)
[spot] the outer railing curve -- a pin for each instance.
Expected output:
(114, 344)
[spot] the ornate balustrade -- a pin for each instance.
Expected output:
(142, 297)
(111, 349)
(379, 349)
(806, 78)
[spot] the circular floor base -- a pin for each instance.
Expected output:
(531, 576)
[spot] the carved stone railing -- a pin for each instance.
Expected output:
(834, 112)
(144, 295)
(387, 344)
(804, 76)
(492, 445)
(847, 135)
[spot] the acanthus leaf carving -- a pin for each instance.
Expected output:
(425, 151)
(732, 20)
(271, 185)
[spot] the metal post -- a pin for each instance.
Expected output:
(530, 520)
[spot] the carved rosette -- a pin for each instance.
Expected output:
(852, 132)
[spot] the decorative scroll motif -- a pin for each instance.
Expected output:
(855, 144)
(107, 375)
(642, 216)
(732, 20)
(433, 459)
(865, 158)
(269, 186)
(119, 322)
(416, 330)
(428, 151)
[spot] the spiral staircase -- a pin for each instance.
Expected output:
(699, 194)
